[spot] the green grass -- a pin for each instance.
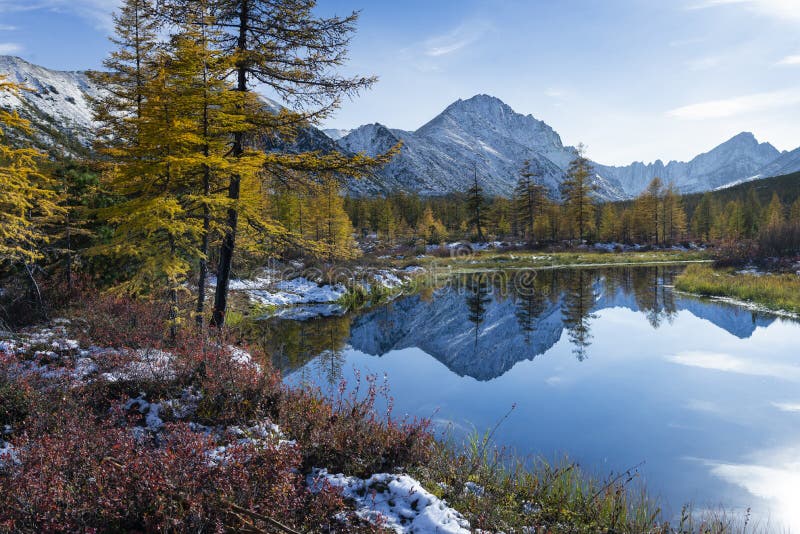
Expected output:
(509, 493)
(780, 292)
(514, 259)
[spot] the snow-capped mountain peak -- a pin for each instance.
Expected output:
(60, 97)
(480, 134)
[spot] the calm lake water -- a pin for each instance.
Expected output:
(611, 367)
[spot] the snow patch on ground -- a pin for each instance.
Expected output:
(261, 434)
(387, 279)
(150, 410)
(8, 455)
(292, 292)
(397, 502)
(148, 364)
(242, 357)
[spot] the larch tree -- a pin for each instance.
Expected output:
(774, 215)
(648, 212)
(329, 226)
(127, 70)
(703, 217)
(476, 204)
(153, 229)
(528, 200)
(576, 192)
(752, 213)
(794, 211)
(430, 228)
(212, 114)
(282, 46)
(609, 223)
(28, 198)
(732, 220)
(674, 223)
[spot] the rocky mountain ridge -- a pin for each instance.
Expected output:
(481, 136)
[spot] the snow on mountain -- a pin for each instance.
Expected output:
(484, 135)
(56, 102)
(786, 163)
(740, 158)
(336, 133)
(481, 135)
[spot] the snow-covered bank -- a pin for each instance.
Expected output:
(304, 295)
(396, 502)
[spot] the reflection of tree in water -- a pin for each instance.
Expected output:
(478, 298)
(292, 344)
(579, 298)
(531, 301)
(654, 300)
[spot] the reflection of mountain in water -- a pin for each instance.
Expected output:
(481, 329)
(442, 329)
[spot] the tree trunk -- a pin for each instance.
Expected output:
(229, 240)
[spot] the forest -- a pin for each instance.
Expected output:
(192, 173)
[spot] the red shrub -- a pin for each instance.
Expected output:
(349, 436)
(90, 476)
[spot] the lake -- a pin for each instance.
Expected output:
(609, 366)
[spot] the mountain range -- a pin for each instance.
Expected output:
(478, 137)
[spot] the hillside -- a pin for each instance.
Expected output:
(787, 188)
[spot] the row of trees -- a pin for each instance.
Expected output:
(194, 167)
(533, 214)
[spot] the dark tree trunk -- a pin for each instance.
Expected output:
(229, 240)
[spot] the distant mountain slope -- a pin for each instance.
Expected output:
(484, 133)
(786, 163)
(335, 134)
(480, 135)
(57, 103)
(787, 188)
(740, 158)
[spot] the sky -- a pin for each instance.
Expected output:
(634, 80)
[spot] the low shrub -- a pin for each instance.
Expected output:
(349, 436)
(90, 476)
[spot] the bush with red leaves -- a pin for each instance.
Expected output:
(89, 476)
(82, 462)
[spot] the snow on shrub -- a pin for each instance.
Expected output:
(397, 502)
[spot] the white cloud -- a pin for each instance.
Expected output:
(7, 28)
(772, 475)
(740, 105)
(779, 9)
(787, 406)
(453, 41)
(96, 11)
(731, 364)
(10, 48)
(790, 60)
(554, 93)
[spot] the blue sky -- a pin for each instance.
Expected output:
(632, 79)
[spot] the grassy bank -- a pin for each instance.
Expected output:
(541, 260)
(779, 292)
